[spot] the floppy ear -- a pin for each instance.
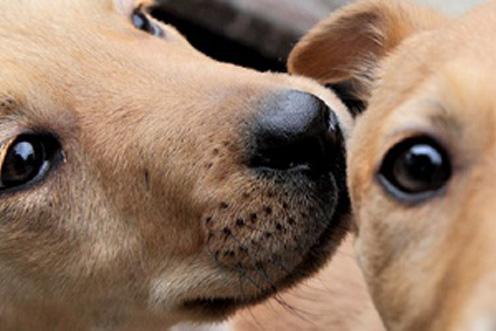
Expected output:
(344, 51)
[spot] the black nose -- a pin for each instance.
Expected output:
(294, 130)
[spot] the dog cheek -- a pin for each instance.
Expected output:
(33, 238)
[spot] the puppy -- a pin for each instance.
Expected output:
(143, 184)
(421, 158)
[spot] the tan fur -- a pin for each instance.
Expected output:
(429, 266)
(152, 132)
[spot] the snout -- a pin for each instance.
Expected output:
(279, 215)
(295, 131)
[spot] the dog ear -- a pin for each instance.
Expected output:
(343, 51)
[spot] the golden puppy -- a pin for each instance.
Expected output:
(142, 183)
(421, 158)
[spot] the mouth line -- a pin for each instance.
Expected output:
(220, 306)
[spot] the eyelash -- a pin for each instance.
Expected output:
(141, 21)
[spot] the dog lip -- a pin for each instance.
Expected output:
(216, 308)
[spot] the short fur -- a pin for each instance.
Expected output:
(145, 221)
(429, 266)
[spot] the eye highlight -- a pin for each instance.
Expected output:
(27, 158)
(415, 169)
(142, 22)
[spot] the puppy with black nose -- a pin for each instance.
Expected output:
(135, 196)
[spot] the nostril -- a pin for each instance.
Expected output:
(295, 129)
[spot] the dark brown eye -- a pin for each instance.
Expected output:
(415, 169)
(28, 158)
(142, 22)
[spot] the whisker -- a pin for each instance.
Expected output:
(252, 316)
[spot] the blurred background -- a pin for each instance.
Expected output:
(258, 33)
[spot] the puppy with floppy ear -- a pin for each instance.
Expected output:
(421, 158)
(133, 196)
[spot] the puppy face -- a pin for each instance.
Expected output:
(141, 178)
(421, 158)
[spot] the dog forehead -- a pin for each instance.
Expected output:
(126, 6)
(455, 70)
(36, 10)
(66, 36)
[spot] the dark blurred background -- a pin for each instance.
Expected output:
(257, 33)
(252, 33)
